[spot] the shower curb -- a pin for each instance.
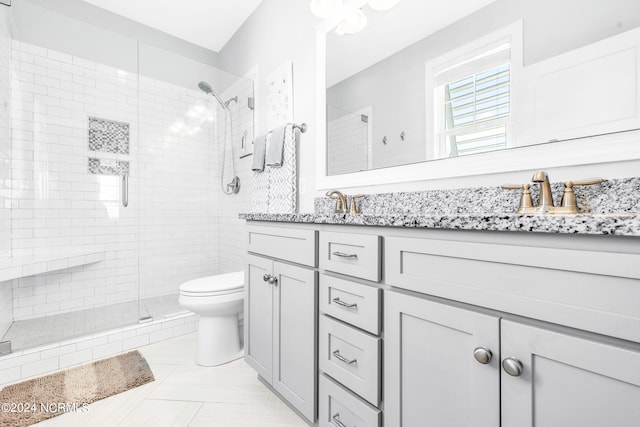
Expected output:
(45, 359)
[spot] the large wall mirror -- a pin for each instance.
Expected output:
(459, 85)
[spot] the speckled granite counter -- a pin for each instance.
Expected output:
(610, 208)
(600, 224)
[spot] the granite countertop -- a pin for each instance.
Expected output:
(609, 208)
(599, 224)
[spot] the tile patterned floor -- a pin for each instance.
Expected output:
(44, 330)
(185, 394)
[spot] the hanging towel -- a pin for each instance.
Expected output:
(275, 149)
(259, 150)
(283, 194)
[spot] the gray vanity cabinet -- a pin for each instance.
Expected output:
(534, 376)
(281, 323)
(431, 377)
(568, 380)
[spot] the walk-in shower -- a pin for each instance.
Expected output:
(74, 260)
(233, 187)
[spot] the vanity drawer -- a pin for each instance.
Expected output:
(289, 244)
(351, 357)
(351, 302)
(337, 405)
(355, 255)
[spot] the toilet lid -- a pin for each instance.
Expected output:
(221, 283)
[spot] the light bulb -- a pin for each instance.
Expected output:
(325, 8)
(353, 23)
(382, 4)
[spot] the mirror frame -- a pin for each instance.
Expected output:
(572, 152)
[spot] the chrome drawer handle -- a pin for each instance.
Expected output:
(336, 420)
(344, 304)
(343, 255)
(343, 359)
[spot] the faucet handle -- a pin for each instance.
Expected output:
(353, 209)
(586, 181)
(569, 197)
(525, 200)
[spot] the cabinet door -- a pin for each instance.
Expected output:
(568, 381)
(294, 372)
(431, 377)
(258, 316)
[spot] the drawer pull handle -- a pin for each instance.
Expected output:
(343, 359)
(336, 420)
(343, 255)
(338, 301)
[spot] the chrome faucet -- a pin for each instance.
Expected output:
(568, 205)
(341, 202)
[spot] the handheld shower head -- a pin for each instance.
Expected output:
(206, 88)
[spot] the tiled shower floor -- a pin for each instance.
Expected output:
(29, 333)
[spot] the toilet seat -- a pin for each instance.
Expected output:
(222, 284)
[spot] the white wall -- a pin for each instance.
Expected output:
(260, 42)
(84, 30)
(278, 31)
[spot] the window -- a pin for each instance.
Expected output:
(472, 98)
(476, 109)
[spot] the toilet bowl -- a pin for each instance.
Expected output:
(219, 301)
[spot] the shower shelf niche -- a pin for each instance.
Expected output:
(17, 267)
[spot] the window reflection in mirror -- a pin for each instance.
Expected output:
(499, 74)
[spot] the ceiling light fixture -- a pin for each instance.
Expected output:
(382, 4)
(353, 23)
(325, 8)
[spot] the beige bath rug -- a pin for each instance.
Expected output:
(35, 400)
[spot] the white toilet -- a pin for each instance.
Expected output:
(219, 301)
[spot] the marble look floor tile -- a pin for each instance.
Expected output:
(234, 415)
(236, 383)
(161, 413)
(185, 394)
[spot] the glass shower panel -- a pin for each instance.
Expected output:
(75, 135)
(180, 157)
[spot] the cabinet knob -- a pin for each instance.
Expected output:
(512, 366)
(272, 280)
(482, 355)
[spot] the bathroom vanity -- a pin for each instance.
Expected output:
(423, 326)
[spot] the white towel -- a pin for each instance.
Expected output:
(275, 149)
(259, 150)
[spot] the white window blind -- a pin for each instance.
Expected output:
(474, 101)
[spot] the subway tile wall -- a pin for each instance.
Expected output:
(347, 148)
(232, 231)
(5, 137)
(170, 223)
(57, 205)
(6, 296)
(178, 191)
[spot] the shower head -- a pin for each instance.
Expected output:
(206, 88)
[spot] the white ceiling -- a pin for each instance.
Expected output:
(206, 23)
